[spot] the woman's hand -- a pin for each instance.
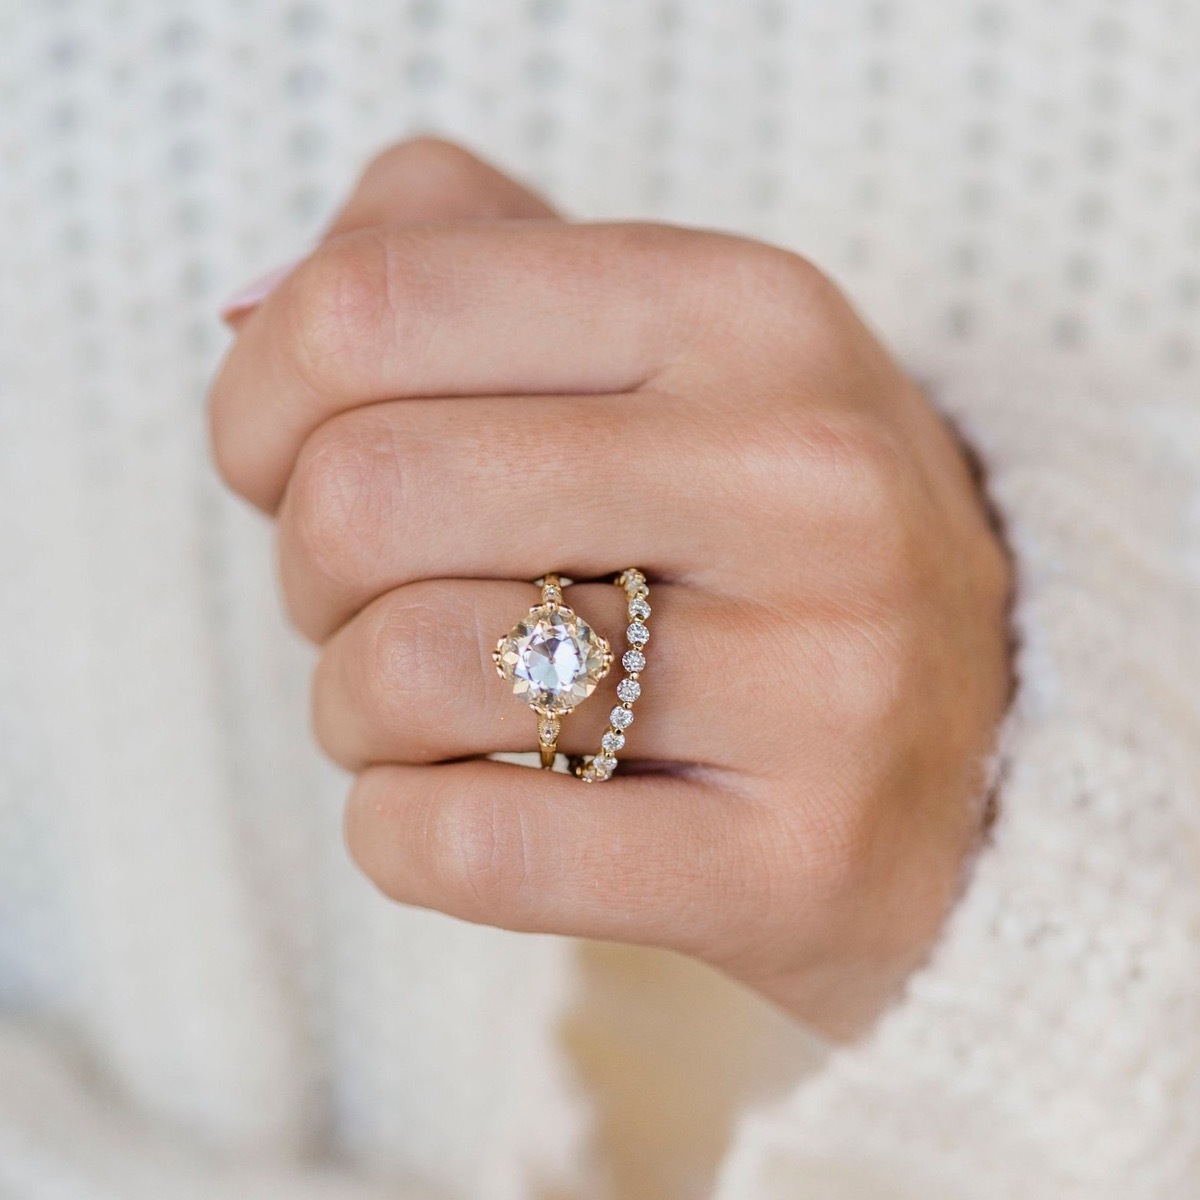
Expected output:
(436, 412)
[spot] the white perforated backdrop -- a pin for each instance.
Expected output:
(1000, 185)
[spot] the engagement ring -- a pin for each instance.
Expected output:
(554, 660)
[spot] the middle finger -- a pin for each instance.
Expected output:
(493, 489)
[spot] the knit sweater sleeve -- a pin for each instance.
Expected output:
(62, 1136)
(1051, 1046)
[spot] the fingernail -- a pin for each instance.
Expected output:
(253, 294)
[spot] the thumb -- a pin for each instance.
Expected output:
(427, 179)
(422, 180)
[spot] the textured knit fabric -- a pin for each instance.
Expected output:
(200, 997)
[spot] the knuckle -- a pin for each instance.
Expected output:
(877, 477)
(864, 469)
(698, 272)
(851, 464)
(799, 862)
(767, 280)
(715, 262)
(336, 509)
(781, 278)
(813, 848)
(868, 670)
(758, 882)
(840, 841)
(477, 851)
(340, 309)
(777, 302)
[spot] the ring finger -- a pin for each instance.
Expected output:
(411, 679)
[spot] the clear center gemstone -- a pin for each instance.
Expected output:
(553, 659)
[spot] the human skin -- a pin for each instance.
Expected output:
(456, 392)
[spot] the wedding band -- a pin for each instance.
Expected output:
(554, 660)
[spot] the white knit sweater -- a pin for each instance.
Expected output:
(199, 997)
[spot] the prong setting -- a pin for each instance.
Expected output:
(554, 661)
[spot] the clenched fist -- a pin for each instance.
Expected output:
(458, 392)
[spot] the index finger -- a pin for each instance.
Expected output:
(521, 307)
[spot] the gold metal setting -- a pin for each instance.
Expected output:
(521, 659)
(512, 658)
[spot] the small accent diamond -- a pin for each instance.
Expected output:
(635, 583)
(620, 718)
(639, 607)
(612, 742)
(638, 634)
(633, 661)
(629, 690)
(604, 765)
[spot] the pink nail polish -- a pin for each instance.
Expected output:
(253, 294)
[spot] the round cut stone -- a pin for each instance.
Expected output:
(612, 741)
(637, 633)
(639, 608)
(553, 659)
(628, 690)
(633, 661)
